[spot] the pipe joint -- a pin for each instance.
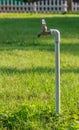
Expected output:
(56, 33)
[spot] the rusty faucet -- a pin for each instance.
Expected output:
(44, 29)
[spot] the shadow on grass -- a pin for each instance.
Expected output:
(30, 47)
(69, 47)
(27, 70)
(70, 70)
(38, 70)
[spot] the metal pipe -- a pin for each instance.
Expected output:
(56, 34)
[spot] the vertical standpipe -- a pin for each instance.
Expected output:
(56, 34)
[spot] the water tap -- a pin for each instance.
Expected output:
(44, 29)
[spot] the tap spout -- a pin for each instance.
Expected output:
(43, 33)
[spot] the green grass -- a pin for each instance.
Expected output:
(27, 73)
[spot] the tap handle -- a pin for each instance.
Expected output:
(43, 22)
(44, 27)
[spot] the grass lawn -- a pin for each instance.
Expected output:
(27, 73)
